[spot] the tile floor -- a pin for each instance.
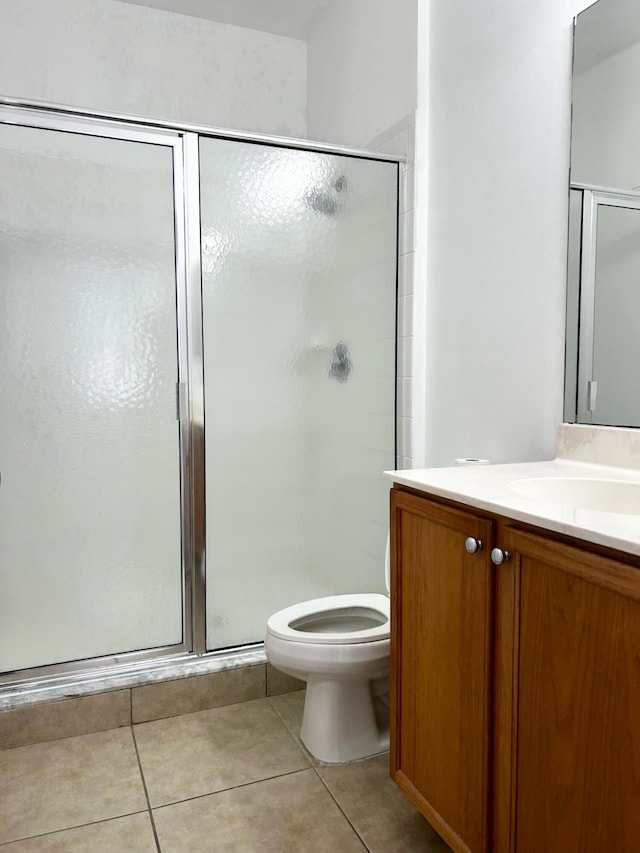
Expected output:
(229, 780)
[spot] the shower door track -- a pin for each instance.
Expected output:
(191, 656)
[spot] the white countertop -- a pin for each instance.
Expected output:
(487, 487)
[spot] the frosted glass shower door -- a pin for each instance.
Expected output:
(90, 530)
(299, 310)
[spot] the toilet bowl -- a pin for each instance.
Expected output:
(340, 646)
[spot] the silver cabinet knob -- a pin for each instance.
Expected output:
(498, 556)
(473, 545)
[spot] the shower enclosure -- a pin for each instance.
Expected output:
(197, 381)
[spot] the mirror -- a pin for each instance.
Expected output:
(602, 382)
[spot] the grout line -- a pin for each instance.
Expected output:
(69, 828)
(232, 788)
(294, 736)
(343, 812)
(115, 728)
(146, 792)
(314, 766)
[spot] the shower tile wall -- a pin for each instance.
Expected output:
(400, 139)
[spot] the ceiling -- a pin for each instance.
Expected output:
(293, 18)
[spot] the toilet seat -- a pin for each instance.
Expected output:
(296, 623)
(339, 646)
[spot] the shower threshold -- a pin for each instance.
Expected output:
(119, 675)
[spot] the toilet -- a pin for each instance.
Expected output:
(340, 646)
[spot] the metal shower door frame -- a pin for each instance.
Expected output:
(189, 390)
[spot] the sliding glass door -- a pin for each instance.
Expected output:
(299, 314)
(144, 271)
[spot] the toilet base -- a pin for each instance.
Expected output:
(339, 723)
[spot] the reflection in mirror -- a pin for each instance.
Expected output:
(602, 382)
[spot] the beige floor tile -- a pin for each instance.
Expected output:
(67, 783)
(290, 814)
(209, 751)
(383, 817)
(132, 834)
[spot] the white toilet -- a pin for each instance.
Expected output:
(340, 646)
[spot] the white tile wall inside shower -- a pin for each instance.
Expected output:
(400, 139)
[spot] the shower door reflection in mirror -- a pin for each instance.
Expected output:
(299, 311)
(609, 308)
(90, 538)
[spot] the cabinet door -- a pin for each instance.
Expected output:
(568, 656)
(441, 638)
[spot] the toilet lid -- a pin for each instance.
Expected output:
(337, 619)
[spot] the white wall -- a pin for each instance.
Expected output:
(498, 100)
(400, 139)
(112, 56)
(362, 57)
(362, 64)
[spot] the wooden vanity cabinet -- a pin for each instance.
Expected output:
(515, 688)
(441, 646)
(567, 709)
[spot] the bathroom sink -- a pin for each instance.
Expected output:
(619, 496)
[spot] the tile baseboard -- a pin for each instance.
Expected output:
(70, 716)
